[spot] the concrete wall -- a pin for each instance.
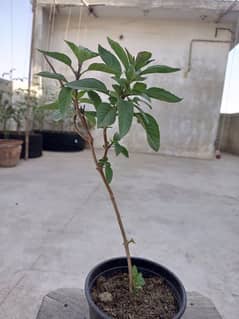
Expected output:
(188, 128)
(228, 134)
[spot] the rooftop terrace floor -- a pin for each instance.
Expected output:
(56, 223)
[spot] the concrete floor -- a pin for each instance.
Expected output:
(56, 223)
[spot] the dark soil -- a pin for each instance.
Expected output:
(155, 300)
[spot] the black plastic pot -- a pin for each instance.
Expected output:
(148, 268)
(35, 143)
(62, 141)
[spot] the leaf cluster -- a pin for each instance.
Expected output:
(127, 99)
(138, 279)
(6, 109)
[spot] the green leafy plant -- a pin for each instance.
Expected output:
(16, 110)
(24, 99)
(122, 103)
(6, 112)
(138, 279)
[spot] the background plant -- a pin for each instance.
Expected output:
(49, 116)
(124, 101)
(6, 112)
(24, 101)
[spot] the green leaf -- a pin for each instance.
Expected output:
(48, 107)
(152, 130)
(91, 118)
(162, 95)
(81, 53)
(139, 87)
(58, 56)
(95, 98)
(102, 161)
(80, 94)
(138, 279)
(130, 57)
(130, 73)
(142, 59)
(126, 112)
(114, 94)
(85, 100)
(101, 67)
(143, 114)
(92, 113)
(139, 78)
(145, 96)
(159, 69)
(106, 115)
(119, 51)
(120, 149)
(88, 85)
(143, 101)
(117, 89)
(49, 75)
(64, 99)
(108, 172)
(116, 137)
(109, 59)
(113, 100)
(122, 82)
(58, 116)
(116, 79)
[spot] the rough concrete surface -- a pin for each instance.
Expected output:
(56, 223)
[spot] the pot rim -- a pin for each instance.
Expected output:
(10, 143)
(104, 315)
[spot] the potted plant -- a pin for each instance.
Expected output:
(56, 137)
(22, 101)
(125, 287)
(26, 102)
(10, 149)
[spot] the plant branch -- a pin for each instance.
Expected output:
(73, 71)
(53, 69)
(78, 74)
(77, 128)
(107, 144)
(99, 168)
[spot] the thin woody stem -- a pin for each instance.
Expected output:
(126, 242)
(53, 69)
(107, 144)
(99, 168)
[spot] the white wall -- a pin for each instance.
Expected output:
(230, 99)
(188, 128)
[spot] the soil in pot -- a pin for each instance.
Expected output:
(155, 300)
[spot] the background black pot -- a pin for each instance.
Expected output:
(148, 268)
(35, 142)
(62, 141)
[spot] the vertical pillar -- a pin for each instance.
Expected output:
(237, 32)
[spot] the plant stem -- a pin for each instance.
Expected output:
(121, 226)
(99, 168)
(107, 146)
(53, 69)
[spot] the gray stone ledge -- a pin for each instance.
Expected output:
(70, 303)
